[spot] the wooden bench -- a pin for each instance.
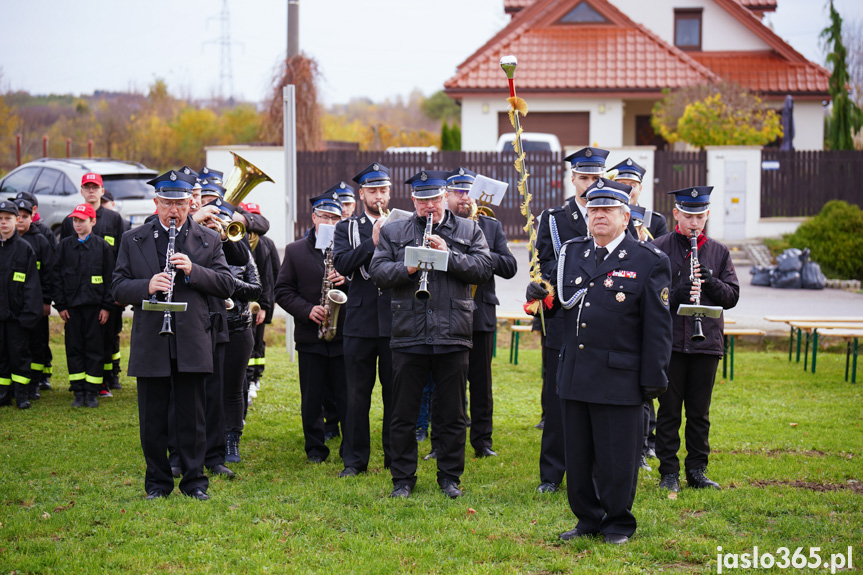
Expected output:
(808, 318)
(812, 330)
(729, 335)
(848, 335)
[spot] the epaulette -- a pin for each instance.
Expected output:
(578, 240)
(650, 247)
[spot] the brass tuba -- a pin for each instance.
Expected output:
(242, 179)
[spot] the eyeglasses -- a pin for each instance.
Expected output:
(327, 217)
(173, 203)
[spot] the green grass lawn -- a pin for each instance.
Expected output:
(787, 448)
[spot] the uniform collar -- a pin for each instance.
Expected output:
(612, 245)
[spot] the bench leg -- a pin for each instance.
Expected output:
(790, 344)
(806, 354)
(814, 348)
(732, 359)
(798, 344)
(517, 336)
(854, 365)
(725, 357)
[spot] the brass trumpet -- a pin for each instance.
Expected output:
(382, 213)
(233, 230)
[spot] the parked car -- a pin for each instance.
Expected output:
(57, 185)
(531, 141)
(543, 155)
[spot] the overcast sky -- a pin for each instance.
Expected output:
(374, 48)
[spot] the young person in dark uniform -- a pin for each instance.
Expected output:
(85, 265)
(368, 320)
(617, 340)
(40, 349)
(692, 370)
(298, 290)
(556, 226)
(37, 224)
(458, 184)
(431, 336)
(20, 308)
(110, 226)
(174, 365)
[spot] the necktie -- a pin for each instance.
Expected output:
(600, 255)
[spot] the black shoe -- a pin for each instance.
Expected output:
(432, 455)
(616, 539)
(79, 399)
(644, 464)
(486, 452)
(23, 404)
(5, 395)
(45, 383)
(547, 487)
(541, 424)
(402, 490)
(422, 434)
(331, 435)
(671, 482)
(176, 472)
(34, 392)
(315, 459)
(222, 470)
(114, 383)
(198, 494)
(157, 494)
(696, 478)
(349, 472)
(90, 399)
(232, 448)
(575, 533)
(651, 453)
(450, 489)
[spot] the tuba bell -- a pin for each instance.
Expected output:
(242, 179)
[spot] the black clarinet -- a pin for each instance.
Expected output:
(171, 270)
(697, 332)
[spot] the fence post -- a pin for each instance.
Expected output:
(44, 146)
(90, 149)
(68, 147)
(18, 139)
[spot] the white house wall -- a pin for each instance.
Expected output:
(479, 119)
(808, 126)
(720, 31)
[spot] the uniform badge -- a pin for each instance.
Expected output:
(424, 176)
(588, 153)
(342, 185)
(574, 216)
(375, 167)
(173, 177)
(628, 161)
(621, 254)
(586, 253)
(155, 234)
(657, 250)
(663, 296)
(608, 282)
(620, 296)
(461, 171)
(578, 280)
(599, 184)
(363, 220)
(694, 193)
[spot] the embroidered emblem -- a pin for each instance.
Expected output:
(461, 171)
(424, 176)
(574, 216)
(375, 167)
(578, 280)
(588, 153)
(621, 254)
(628, 161)
(155, 234)
(663, 296)
(206, 170)
(586, 253)
(620, 296)
(342, 185)
(599, 184)
(694, 193)
(608, 282)
(187, 171)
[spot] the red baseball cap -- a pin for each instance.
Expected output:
(91, 178)
(252, 208)
(83, 211)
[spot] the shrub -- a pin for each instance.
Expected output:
(835, 240)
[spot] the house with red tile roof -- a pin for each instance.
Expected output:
(591, 70)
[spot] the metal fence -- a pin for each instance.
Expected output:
(795, 184)
(318, 171)
(675, 171)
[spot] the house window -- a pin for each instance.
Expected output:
(584, 13)
(687, 29)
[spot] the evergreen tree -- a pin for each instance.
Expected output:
(845, 116)
(455, 136)
(445, 137)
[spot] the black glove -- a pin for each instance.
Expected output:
(706, 276)
(681, 292)
(649, 393)
(535, 291)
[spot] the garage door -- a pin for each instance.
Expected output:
(571, 128)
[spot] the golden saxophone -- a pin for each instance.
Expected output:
(331, 299)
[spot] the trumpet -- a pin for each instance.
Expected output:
(383, 214)
(232, 229)
(423, 294)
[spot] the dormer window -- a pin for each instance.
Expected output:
(583, 13)
(687, 28)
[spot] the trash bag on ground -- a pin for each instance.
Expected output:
(789, 261)
(761, 275)
(786, 280)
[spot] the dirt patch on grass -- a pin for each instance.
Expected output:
(851, 485)
(772, 452)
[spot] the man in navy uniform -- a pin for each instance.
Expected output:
(458, 184)
(368, 319)
(298, 291)
(177, 365)
(692, 370)
(631, 174)
(617, 340)
(430, 336)
(349, 202)
(558, 225)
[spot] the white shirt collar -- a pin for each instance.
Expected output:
(612, 245)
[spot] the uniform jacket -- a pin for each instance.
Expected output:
(619, 339)
(447, 317)
(110, 226)
(137, 264)
(84, 273)
(723, 290)
(503, 264)
(261, 255)
(45, 261)
(247, 287)
(658, 225)
(20, 288)
(272, 264)
(367, 312)
(298, 289)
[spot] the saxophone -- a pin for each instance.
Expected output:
(331, 299)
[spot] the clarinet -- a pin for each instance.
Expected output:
(423, 293)
(697, 332)
(171, 270)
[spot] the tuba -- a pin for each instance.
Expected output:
(332, 300)
(242, 179)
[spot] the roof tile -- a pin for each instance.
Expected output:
(766, 72)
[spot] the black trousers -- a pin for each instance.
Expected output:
(40, 350)
(86, 345)
(603, 450)
(690, 387)
(552, 462)
(113, 326)
(479, 382)
(234, 377)
(14, 360)
(649, 427)
(154, 396)
(257, 362)
(366, 360)
(411, 373)
(314, 370)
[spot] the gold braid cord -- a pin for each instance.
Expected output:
(519, 106)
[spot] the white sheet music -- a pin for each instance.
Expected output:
(487, 191)
(325, 235)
